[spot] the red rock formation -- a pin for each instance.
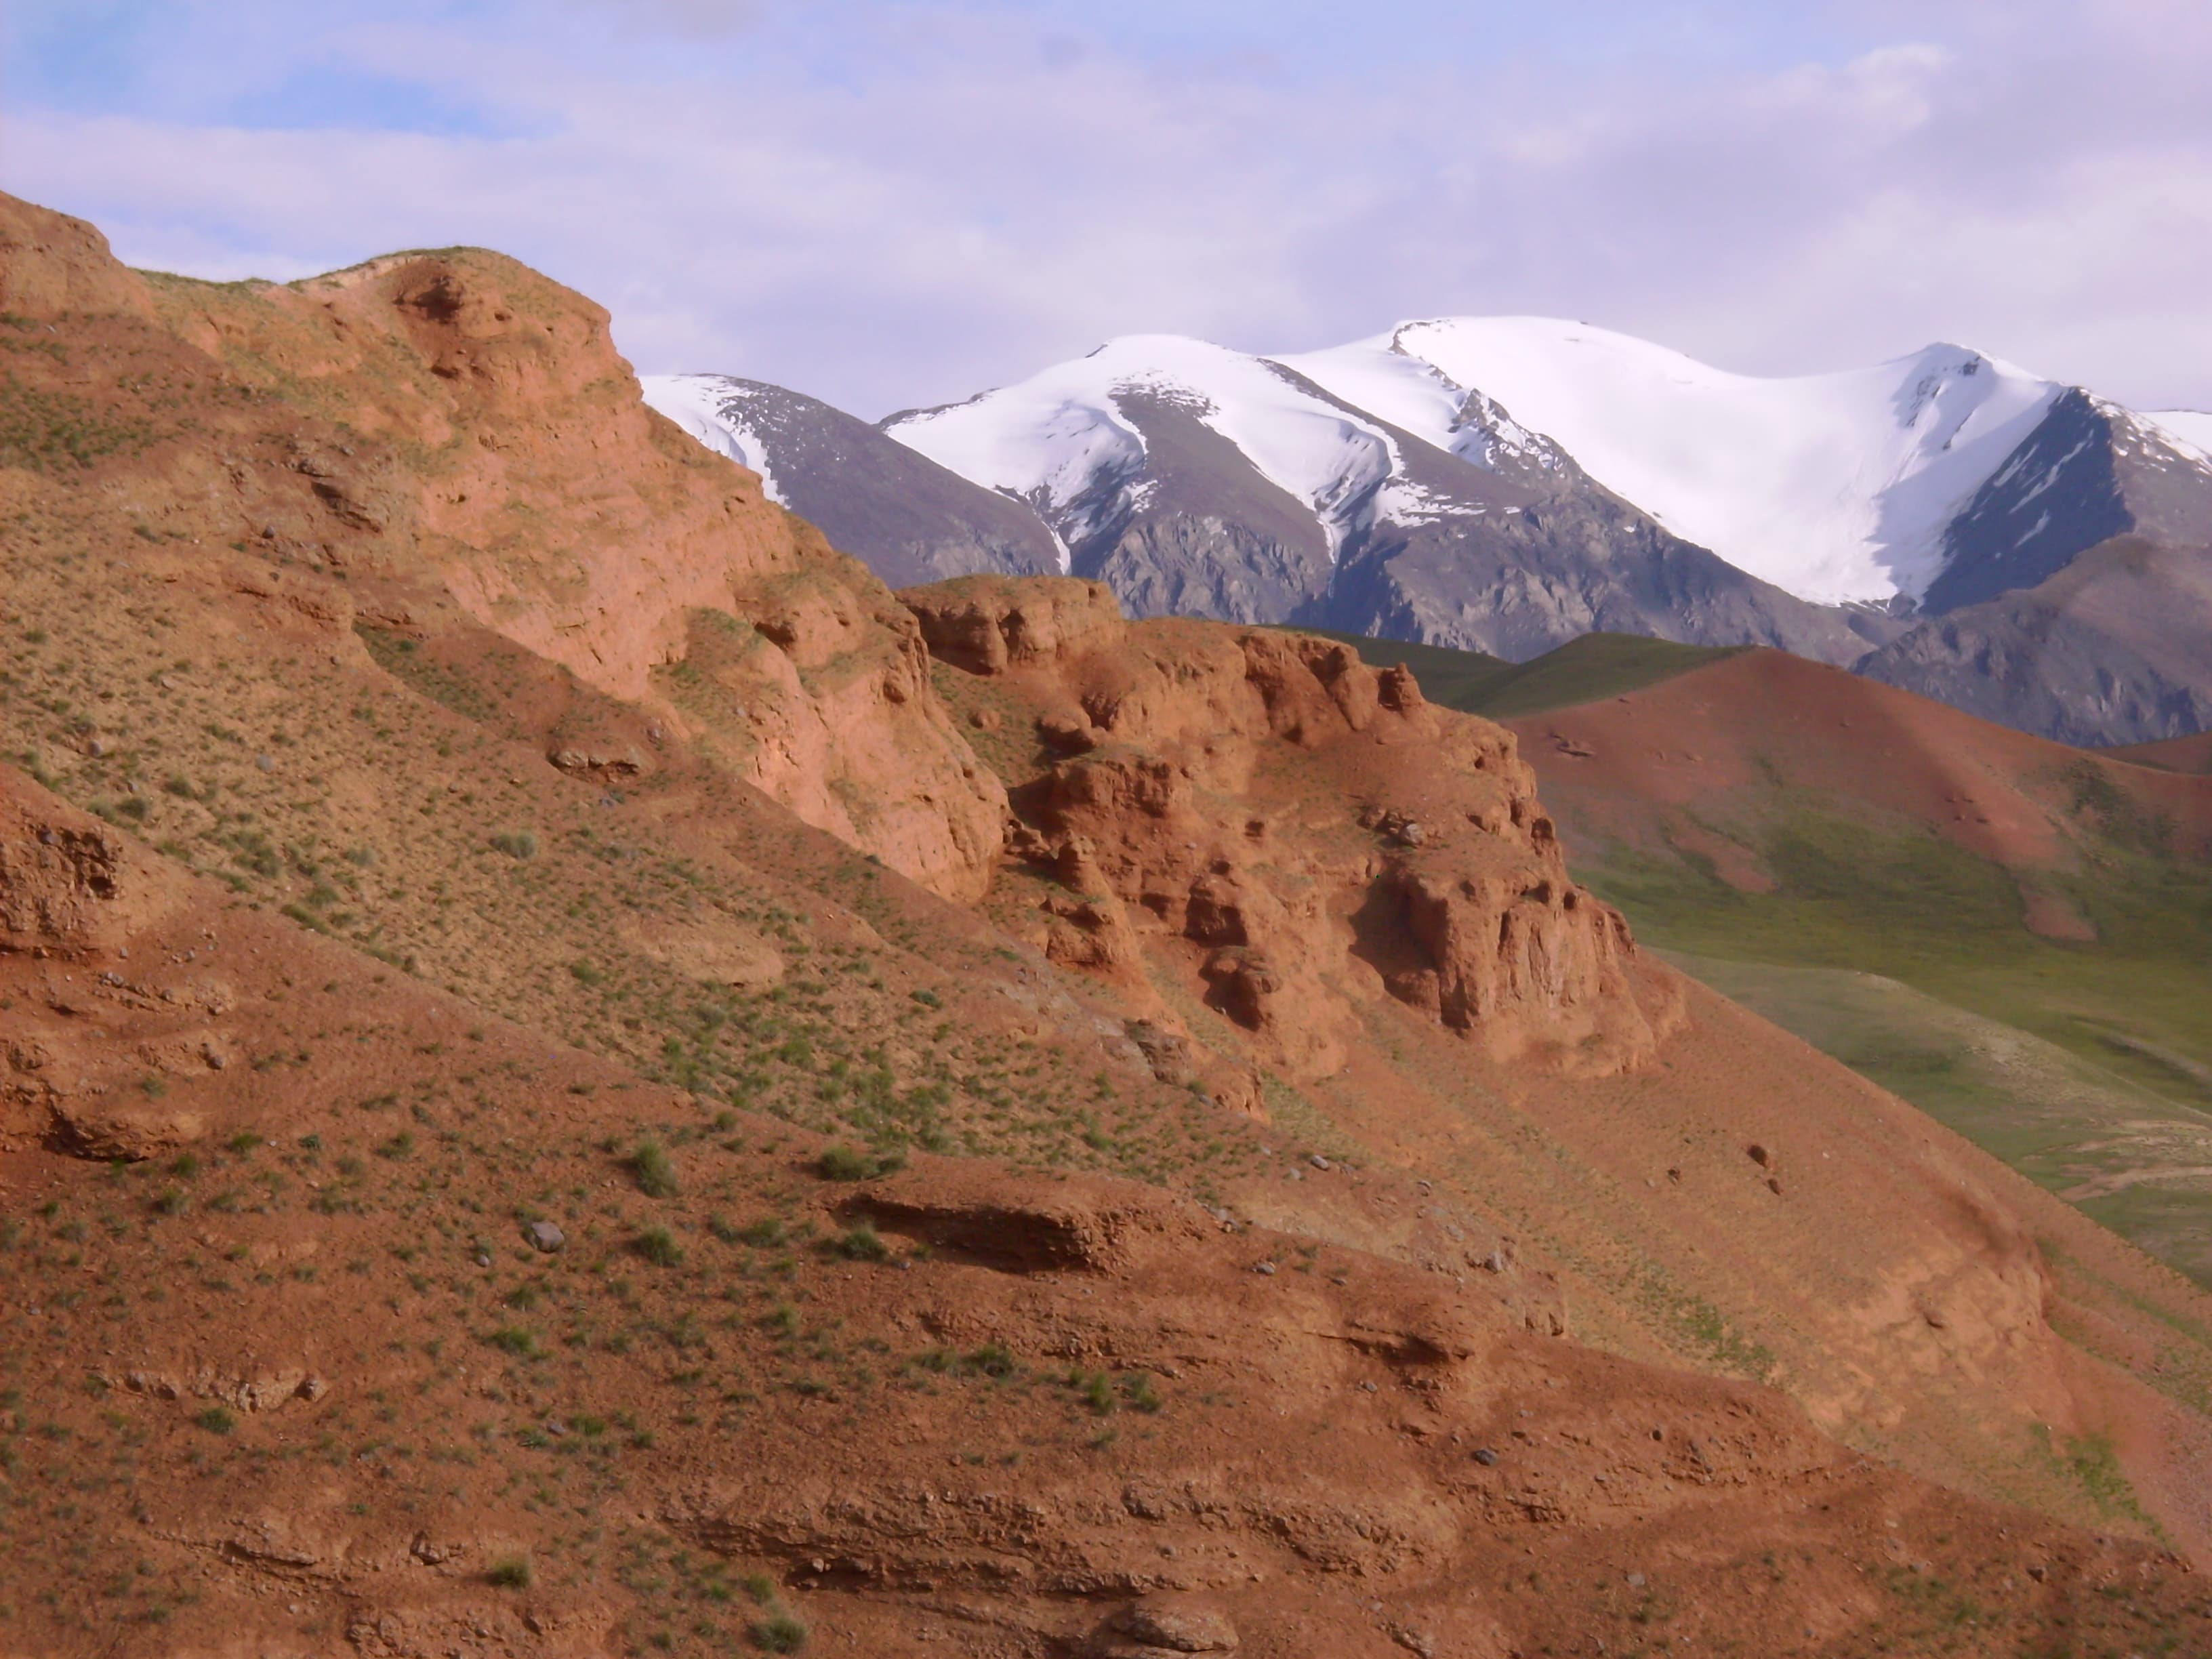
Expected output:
(1285, 825)
(456, 425)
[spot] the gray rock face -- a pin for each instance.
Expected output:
(1512, 562)
(1199, 531)
(2076, 601)
(1520, 565)
(2087, 473)
(908, 519)
(2116, 647)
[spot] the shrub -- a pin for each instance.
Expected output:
(767, 1230)
(517, 1341)
(659, 1246)
(654, 1173)
(779, 1634)
(513, 1573)
(861, 1243)
(1097, 1389)
(518, 844)
(215, 1420)
(844, 1164)
(993, 1360)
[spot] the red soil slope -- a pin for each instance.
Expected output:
(332, 1407)
(2189, 755)
(1750, 722)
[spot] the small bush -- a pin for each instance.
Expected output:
(519, 844)
(513, 1573)
(993, 1360)
(844, 1164)
(862, 1243)
(654, 1173)
(516, 1339)
(215, 1419)
(779, 1634)
(1097, 1389)
(767, 1230)
(659, 1246)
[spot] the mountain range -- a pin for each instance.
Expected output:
(1943, 521)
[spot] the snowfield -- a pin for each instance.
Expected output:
(2190, 427)
(1836, 487)
(712, 409)
(1056, 438)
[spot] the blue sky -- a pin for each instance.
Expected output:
(893, 202)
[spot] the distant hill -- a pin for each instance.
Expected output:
(1792, 830)
(1583, 670)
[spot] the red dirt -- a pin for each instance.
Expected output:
(1762, 718)
(2192, 755)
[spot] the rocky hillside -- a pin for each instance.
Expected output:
(579, 1078)
(2110, 649)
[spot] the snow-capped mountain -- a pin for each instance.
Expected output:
(1505, 484)
(1064, 442)
(1835, 487)
(1195, 479)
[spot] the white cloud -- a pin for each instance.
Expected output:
(922, 199)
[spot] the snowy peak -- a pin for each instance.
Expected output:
(1835, 487)
(1072, 441)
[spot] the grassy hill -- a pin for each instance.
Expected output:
(1595, 666)
(2009, 934)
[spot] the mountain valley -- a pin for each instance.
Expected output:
(579, 1076)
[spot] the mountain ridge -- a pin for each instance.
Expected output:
(1503, 484)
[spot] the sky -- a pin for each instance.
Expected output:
(892, 203)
